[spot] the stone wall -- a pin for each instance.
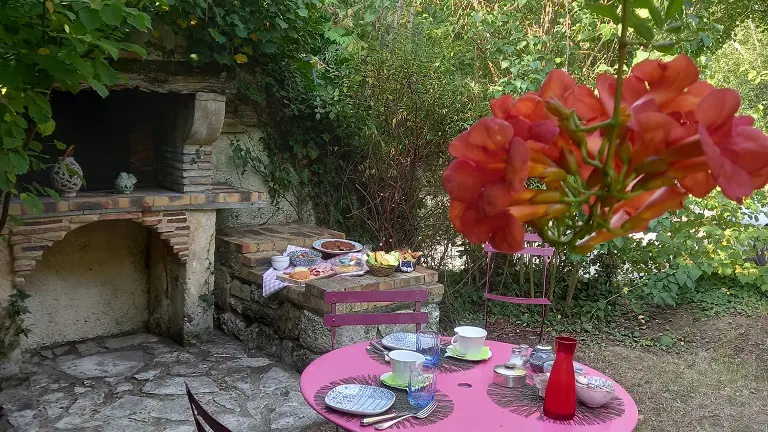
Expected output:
(241, 129)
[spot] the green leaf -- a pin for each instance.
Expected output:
(112, 14)
(241, 31)
(674, 27)
(89, 17)
(99, 87)
(32, 202)
(666, 341)
(134, 48)
(640, 26)
(282, 23)
(10, 142)
(104, 72)
(60, 145)
(51, 193)
(46, 128)
(110, 47)
(140, 20)
(303, 12)
(673, 8)
(19, 162)
(666, 47)
(36, 146)
(605, 11)
(217, 36)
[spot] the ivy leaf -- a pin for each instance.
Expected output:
(89, 17)
(112, 14)
(217, 36)
(241, 31)
(99, 87)
(303, 12)
(605, 11)
(673, 8)
(282, 23)
(241, 58)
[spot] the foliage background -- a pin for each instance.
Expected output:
(360, 99)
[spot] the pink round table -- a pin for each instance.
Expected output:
(473, 410)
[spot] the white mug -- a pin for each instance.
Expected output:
(401, 362)
(469, 340)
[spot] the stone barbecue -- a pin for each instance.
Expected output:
(102, 263)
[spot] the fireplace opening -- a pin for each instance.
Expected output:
(105, 278)
(124, 132)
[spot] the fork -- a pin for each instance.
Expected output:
(421, 414)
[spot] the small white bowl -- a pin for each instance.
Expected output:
(280, 262)
(594, 391)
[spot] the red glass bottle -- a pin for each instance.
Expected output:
(560, 396)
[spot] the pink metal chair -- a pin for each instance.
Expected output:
(543, 251)
(335, 320)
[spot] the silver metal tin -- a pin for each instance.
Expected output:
(508, 377)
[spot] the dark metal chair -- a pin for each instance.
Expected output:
(334, 320)
(545, 252)
(201, 415)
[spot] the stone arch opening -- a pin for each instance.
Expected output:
(93, 282)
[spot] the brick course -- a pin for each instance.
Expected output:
(31, 239)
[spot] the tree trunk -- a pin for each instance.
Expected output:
(572, 279)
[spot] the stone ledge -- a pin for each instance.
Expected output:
(260, 238)
(90, 203)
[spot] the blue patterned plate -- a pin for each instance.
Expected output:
(401, 341)
(360, 399)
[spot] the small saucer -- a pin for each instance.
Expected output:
(389, 380)
(485, 354)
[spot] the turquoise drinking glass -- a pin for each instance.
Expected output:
(428, 345)
(422, 385)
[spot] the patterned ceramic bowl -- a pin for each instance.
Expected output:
(594, 391)
(304, 257)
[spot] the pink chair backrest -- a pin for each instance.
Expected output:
(528, 250)
(334, 320)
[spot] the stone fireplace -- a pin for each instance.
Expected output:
(102, 263)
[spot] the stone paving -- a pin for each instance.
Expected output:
(136, 383)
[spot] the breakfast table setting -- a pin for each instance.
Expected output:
(427, 382)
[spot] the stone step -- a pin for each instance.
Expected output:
(262, 238)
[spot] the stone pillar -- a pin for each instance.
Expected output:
(187, 160)
(198, 304)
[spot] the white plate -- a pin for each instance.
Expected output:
(316, 245)
(360, 399)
